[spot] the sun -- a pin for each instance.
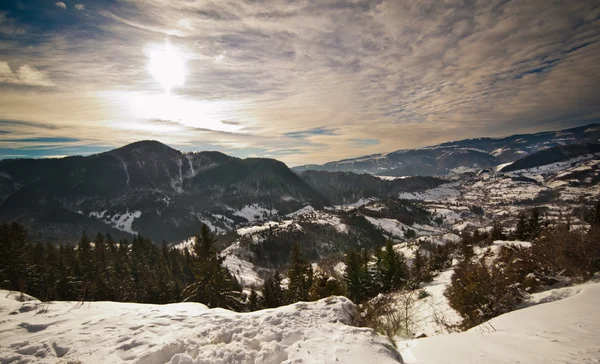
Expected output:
(167, 67)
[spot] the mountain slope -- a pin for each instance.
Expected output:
(556, 154)
(346, 187)
(564, 331)
(460, 155)
(148, 188)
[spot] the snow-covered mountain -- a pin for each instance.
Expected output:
(460, 156)
(436, 214)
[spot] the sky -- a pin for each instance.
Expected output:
(300, 81)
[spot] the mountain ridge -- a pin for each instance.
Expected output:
(448, 157)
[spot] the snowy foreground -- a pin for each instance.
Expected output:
(563, 331)
(185, 333)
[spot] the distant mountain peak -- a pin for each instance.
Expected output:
(146, 146)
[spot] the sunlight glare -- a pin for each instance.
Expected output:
(167, 67)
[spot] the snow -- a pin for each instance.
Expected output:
(340, 268)
(97, 214)
(564, 331)
(255, 212)
(397, 229)
(390, 226)
(325, 218)
(303, 211)
(447, 191)
(355, 205)
(121, 222)
(392, 178)
(124, 222)
(249, 230)
(243, 270)
(109, 332)
(432, 313)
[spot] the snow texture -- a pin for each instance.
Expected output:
(121, 222)
(255, 212)
(109, 332)
(564, 331)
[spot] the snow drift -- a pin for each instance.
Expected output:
(109, 332)
(564, 331)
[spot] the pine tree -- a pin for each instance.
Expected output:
(596, 215)
(522, 230)
(15, 260)
(273, 294)
(300, 277)
(253, 301)
(391, 270)
(534, 226)
(419, 271)
(497, 232)
(213, 284)
(357, 276)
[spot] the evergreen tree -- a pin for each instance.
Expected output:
(391, 270)
(534, 225)
(595, 220)
(497, 232)
(522, 230)
(419, 271)
(300, 277)
(273, 294)
(253, 301)
(213, 284)
(357, 276)
(15, 260)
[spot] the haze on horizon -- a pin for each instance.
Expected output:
(300, 81)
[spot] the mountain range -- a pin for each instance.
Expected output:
(460, 156)
(151, 189)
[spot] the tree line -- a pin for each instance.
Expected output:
(122, 271)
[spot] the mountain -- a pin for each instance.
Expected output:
(460, 155)
(147, 188)
(347, 187)
(556, 154)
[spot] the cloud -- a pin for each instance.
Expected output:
(25, 75)
(79, 6)
(43, 140)
(231, 122)
(60, 4)
(281, 78)
(365, 142)
(311, 132)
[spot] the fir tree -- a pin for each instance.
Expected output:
(253, 301)
(357, 276)
(497, 232)
(534, 225)
(522, 230)
(300, 277)
(391, 269)
(273, 294)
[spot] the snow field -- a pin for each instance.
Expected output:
(564, 331)
(109, 332)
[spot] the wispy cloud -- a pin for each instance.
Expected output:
(24, 75)
(310, 132)
(60, 4)
(303, 81)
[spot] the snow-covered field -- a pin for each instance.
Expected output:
(564, 331)
(121, 222)
(109, 332)
(255, 212)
